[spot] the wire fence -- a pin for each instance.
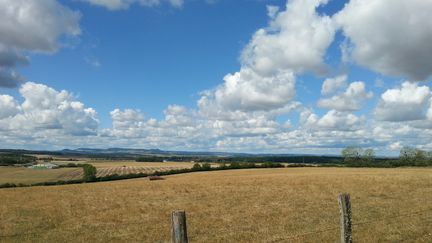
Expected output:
(361, 223)
(426, 212)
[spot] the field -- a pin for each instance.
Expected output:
(260, 205)
(27, 176)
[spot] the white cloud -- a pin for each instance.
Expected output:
(31, 26)
(333, 120)
(125, 4)
(350, 100)
(407, 103)
(295, 40)
(246, 90)
(8, 106)
(393, 37)
(36, 25)
(46, 109)
(330, 85)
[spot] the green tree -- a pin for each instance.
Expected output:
(351, 154)
(407, 154)
(196, 166)
(206, 166)
(368, 155)
(357, 156)
(89, 172)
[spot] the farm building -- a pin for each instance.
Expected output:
(44, 166)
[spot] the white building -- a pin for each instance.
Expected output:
(44, 166)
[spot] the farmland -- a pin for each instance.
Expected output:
(27, 176)
(104, 168)
(262, 205)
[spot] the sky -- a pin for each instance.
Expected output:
(258, 76)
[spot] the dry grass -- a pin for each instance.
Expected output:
(27, 176)
(263, 205)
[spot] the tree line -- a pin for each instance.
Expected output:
(408, 156)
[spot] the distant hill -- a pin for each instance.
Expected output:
(157, 154)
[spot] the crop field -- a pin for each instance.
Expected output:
(104, 168)
(123, 170)
(27, 176)
(258, 205)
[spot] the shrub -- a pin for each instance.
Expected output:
(89, 172)
(206, 166)
(196, 167)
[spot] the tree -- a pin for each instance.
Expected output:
(351, 154)
(368, 155)
(407, 154)
(89, 172)
(357, 155)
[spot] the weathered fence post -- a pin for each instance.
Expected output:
(178, 227)
(345, 217)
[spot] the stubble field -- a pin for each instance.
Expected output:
(260, 205)
(23, 175)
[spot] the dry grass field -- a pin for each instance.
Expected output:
(27, 176)
(260, 205)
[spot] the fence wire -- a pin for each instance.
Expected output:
(305, 234)
(290, 237)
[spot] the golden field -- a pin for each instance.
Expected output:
(259, 205)
(23, 175)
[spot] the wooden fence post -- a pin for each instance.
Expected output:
(345, 217)
(178, 227)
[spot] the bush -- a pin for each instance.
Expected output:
(89, 172)
(196, 167)
(272, 165)
(206, 166)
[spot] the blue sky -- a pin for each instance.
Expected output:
(216, 75)
(150, 57)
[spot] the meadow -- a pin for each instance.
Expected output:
(258, 205)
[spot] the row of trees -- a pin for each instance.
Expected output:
(409, 156)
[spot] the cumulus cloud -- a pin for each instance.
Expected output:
(125, 4)
(331, 85)
(31, 26)
(393, 37)
(295, 41)
(21, 24)
(350, 100)
(332, 120)
(8, 106)
(247, 90)
(46, 109)
(406, 103)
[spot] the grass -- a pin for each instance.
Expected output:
(262, 205)
(27, 176)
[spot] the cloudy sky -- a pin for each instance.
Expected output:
(297, 76)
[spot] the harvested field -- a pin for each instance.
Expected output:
(259, 205)
(104, 168)
(27, 176)
(124, 170)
